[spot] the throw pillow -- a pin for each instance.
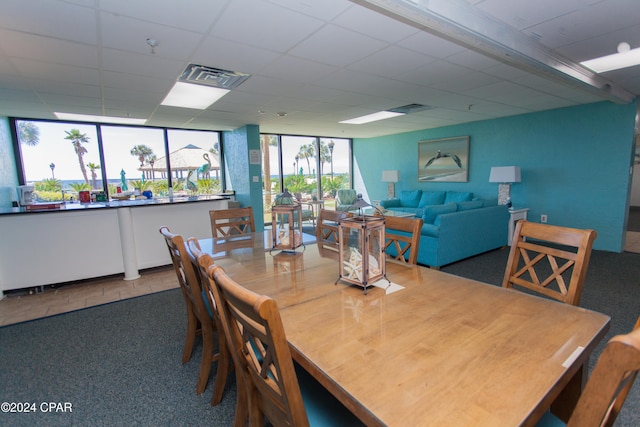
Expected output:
(430, 213)
(457, 196)
(431, 198)
(467, 206)
(410, 199)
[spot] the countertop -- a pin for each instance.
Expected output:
(76, 206)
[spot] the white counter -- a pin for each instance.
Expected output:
(52, 247)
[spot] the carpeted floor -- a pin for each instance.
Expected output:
(119, 364)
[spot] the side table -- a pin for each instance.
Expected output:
(515, 214)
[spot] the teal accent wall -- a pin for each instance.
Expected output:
(240, 172)
(8, 172)
(575, 164)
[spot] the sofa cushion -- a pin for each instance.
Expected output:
(457, 196)
(474, 204)
(410, 199)
(429, 198)
(430, 213)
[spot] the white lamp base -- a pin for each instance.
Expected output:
(504, 192)
(391, 190)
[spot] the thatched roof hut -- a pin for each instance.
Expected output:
(183, 160)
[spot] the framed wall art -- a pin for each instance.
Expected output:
(444, 160)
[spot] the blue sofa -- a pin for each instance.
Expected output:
(454, 230)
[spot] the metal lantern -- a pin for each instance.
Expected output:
(286, 221)
(361, 248)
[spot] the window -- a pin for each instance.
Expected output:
(61, 159)
(293, 163)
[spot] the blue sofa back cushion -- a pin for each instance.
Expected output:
(430, 213)
(457, 196)
(474, 204)
(430, 198)
(410, 199)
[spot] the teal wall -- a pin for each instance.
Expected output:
(575, 164)
(240, 173)
(8, 172)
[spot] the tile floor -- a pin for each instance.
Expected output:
(21, 307)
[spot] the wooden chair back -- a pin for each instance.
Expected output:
(405, 246)
(174, 244)
(199, 322)
(228, 222)
(256, 335)
(610, 382)
(201, 262)
(327, 227)
(567, 250)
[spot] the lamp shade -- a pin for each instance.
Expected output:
(505, 174)
(391, 176)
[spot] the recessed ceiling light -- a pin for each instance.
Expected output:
(101, 119)
(188, 95)
(626, 57)
(380, 115)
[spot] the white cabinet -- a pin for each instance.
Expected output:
(45, 248)
(515, 214)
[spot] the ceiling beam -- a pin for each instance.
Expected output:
(465, 25)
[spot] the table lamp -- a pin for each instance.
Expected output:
(505, 175)
(391, 176)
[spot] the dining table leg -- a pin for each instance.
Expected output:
(567, 400)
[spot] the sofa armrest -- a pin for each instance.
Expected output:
(390, 203)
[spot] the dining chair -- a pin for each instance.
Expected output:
(227, 222)
(567, 250)
(273, 388)
(200, 263)
(327, 227)
(402, 238)
(608, 385)
(199, 319)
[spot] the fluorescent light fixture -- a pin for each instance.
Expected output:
(380, 115)
(188, 95)
(101, 119)
(625, 57)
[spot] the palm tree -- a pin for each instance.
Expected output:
(28, 133)
(307, 151)
(325, 155)
(142, 152)
(94, 177)
(77, 139)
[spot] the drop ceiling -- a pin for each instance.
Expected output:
(320, 62)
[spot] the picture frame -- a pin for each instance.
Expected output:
(444, 160)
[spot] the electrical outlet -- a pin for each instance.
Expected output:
(543, 219)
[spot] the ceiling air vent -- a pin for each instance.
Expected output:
(210, 76)
(411, 108)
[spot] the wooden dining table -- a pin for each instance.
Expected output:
(431, 349)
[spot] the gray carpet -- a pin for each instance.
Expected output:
(119, 364)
